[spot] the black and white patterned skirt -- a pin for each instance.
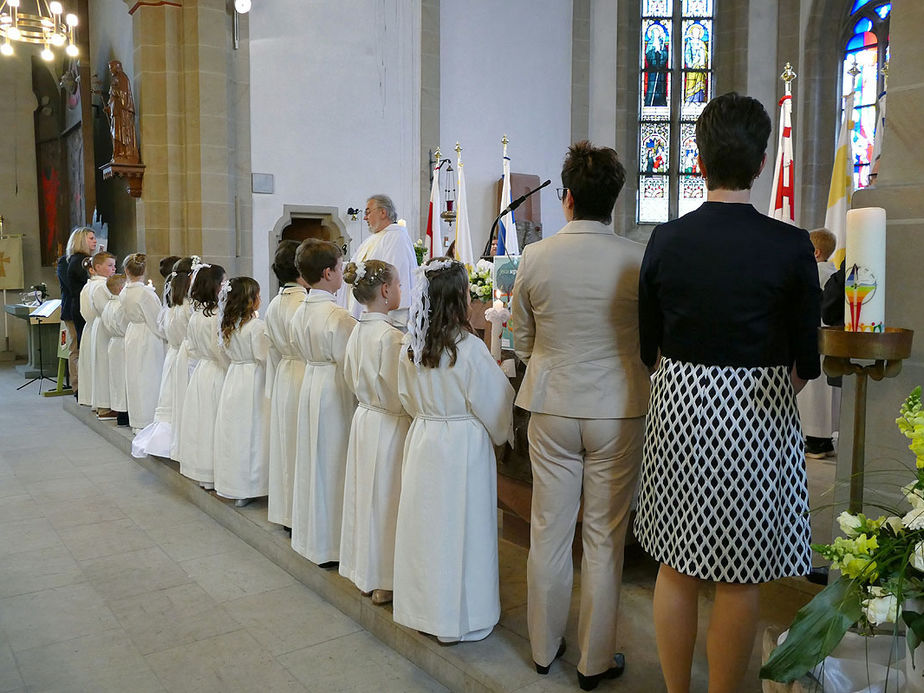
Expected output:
(723, 492)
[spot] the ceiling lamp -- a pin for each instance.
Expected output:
(39, 22)
(242, 6)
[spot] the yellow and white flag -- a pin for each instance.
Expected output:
(11, 275)
(841, 184)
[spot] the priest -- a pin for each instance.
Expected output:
(388, 241)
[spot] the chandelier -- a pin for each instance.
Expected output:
(46, 25)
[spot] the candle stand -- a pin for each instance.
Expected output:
(887, 350)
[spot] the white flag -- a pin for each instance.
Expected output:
(465, 250)
(507, 241)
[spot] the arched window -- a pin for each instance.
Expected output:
(673, 33)
(866, 45)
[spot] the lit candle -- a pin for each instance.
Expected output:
(864, 299)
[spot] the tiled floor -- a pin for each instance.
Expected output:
(110, 580)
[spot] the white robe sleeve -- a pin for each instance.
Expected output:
(489, 394)
(99, 297)
(352, 361)
(86, 305)
(261, 343)
(151, 308)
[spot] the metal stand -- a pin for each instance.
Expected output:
(887, 350)
(41, 376)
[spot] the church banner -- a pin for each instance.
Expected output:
(11, 274)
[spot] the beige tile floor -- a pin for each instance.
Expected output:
(111, 581)
(108, 582)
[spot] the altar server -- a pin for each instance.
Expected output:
(380, 424)
(241, 434)
(88, 313)
(200, 404)
(157, 437)
(104, 266)
(116, 323)
(285, 370)
(144, 342)
(321, 329)
(446, 572)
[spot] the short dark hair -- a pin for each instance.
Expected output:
(166, 265)
(284, 261)
(314, 256)
(594, 176)
(732, 133)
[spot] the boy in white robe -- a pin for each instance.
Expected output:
(321, 329)
(88, 312)
(116, 322)
(104, 266)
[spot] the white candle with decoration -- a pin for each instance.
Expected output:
(497, 315)
(864, 286)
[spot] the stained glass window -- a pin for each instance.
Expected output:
(866, 47)
(676, 82)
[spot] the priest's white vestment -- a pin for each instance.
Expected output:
(321, 330)
(446, 572)
(116, 323)
(285, 370)
(376, 447)
(241, 427)
(85, 360)
(200, 405)
(144, 352)
(99, 341)
(392, 245)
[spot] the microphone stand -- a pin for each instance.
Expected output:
(509, 208)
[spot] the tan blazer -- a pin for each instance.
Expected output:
(575, 322)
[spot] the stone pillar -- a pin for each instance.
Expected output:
(900, 190)
(189, 80)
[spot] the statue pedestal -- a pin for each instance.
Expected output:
(131, 173)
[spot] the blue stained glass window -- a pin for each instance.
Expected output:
(884, 10)
(859, 41)
(863, 26)
(858, 4)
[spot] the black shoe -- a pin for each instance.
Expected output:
(558, 655)
(329, 565)
(122, 418)
(589, 683)
(818, 448)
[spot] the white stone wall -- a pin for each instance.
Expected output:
(505, 67)
(335, 91)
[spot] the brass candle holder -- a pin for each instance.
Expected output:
(887, 350)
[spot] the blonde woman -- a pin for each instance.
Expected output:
(72, 276)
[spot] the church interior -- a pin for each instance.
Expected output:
(257, 121)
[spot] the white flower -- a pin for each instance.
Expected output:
(849, 524)
(914, 496)
(895, 523)
(914, 519)
(360, 270)
(881, 607)
(485, 266)
(917, 556)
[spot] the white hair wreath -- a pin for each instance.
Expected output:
(360, 270)
(195, 269)
(419, 314)
(222, 304)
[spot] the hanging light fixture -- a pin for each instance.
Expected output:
(38, 22)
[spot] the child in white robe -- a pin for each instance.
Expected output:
(116, 323)
(144, 342)
(181, 310)
(241, 427)
(446, 571)
(380, 424)
(88, 312)
(285, 370)
(200, 403)
(157, 437)
(321, 329)
(104, 266)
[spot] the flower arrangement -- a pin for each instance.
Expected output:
(881, 562)
(420, 250)
(480, 284)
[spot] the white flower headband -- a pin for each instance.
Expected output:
(419, 314)
(196, 266)
(360, 270)
(222, 304)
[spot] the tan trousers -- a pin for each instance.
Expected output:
(601, 457)
(73, 349)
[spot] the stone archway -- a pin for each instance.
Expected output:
(308, 221)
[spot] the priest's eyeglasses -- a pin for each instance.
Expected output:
(561, 193)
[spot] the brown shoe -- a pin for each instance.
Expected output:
(381, 597)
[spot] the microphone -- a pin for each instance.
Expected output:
(520, 200)
(509, 208)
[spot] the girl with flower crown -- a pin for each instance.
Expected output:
(320, 330)
(200, 403)
(446, 572)
(157, 437)
(285, 370)
(241, 438)
(144, 342)
(380, 424)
